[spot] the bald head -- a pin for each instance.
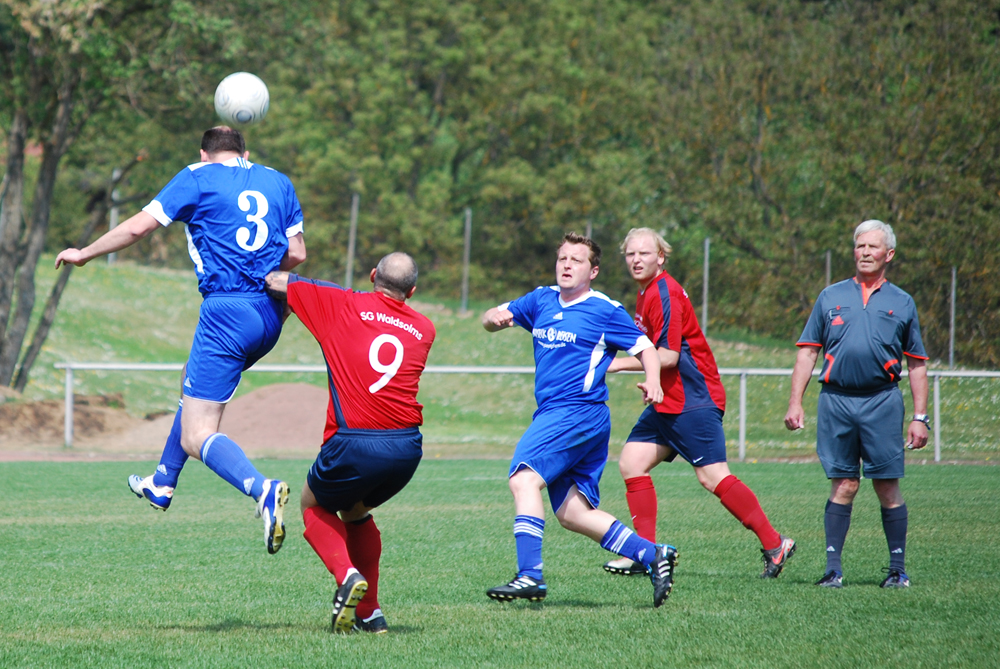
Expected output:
(395, 275)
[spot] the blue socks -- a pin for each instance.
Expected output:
(894, 523)
(528, 532)
(836, 521)
(623, 541)
(225, 458)
(173, 458)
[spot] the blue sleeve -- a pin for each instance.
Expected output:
(913, 344)
(621, 333)
(178, 199)
(814, 334)
(524, 309)
(293, 225)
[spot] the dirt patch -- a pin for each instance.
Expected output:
(279, 421)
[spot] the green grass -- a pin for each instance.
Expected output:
(128, 313)
(90, 576)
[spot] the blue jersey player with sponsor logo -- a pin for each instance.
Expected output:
(576, 333)
(242, 221)
(866, 326)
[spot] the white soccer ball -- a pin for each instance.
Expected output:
(242, 99)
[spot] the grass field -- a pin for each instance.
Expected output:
(126, 313)
(92, 577)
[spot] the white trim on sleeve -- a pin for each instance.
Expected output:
(155, 209)
(294, 230)
(641, 344)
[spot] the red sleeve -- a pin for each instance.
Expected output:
(312, 302)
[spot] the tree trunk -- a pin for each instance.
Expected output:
(52, 304)
(52, 152)
(11, 214)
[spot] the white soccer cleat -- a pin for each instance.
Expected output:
(271, 507)
(159, 497)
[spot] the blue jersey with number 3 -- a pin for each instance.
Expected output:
(238, 218)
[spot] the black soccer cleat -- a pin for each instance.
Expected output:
(522, 587)
(661, 573)
(896, 579)
(345, 601)
(775, 559)
(625, 567)
(374, 625)
(832, 579)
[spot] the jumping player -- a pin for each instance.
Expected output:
(576, 332)
(242, 221)
(689, 419)
(375, 348)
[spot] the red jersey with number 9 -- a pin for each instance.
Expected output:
(375, 349)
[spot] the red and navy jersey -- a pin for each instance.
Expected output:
(664, 312)
(375, 349)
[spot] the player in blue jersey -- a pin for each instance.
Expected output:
(576, 333)
(242, 221)
(866, 326)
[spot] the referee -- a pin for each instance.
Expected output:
(865, 325)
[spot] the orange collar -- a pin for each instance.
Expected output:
(866, 292)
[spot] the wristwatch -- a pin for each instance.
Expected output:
(923, 418)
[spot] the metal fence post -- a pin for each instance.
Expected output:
(68, 423)
(743, 416)
(937, 418)
(704, 291)
(466, 256)
(352, 240)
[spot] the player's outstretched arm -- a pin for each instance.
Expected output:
(652, 393)
(295, 255)
(497, 319)
(916, 433)
(632, 363)
(123, 236)
(276, 284)
(795, 419)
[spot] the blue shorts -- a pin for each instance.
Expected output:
(697, 434)
(851, 429)
(234, 331)
(567, 446)
(367, 466)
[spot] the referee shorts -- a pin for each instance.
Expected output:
(852, 429)
(367, 466)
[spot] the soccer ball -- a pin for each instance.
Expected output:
(242, 99)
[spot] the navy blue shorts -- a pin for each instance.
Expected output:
(567, 446)
(234, 331)
(852, 429)
(367, 466)
(697, 434)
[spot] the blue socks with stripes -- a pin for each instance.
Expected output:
(528, 532)
(173, 458)
(623, 541)
(225, 458)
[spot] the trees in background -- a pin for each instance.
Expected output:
(772, 126)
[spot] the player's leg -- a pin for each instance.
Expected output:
(839, 450)
(894, 524)
(577, 514)
(327, 534)
(158, 488)
(526, 486)
(364, 544)
(882, 456)
(637, 460)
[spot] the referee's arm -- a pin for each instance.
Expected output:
(805, 361)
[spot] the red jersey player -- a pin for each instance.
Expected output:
(375, 348)
(689, 419)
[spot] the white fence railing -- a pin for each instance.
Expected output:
(743, 373)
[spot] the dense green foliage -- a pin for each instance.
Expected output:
(117, 584)
(771, 126)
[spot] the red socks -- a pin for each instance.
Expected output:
(327, 534)
(740, 501)
(364, 542)
(641, 497)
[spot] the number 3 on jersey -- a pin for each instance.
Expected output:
(387, 371)
(243, 234)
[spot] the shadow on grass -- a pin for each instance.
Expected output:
(229, 624)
